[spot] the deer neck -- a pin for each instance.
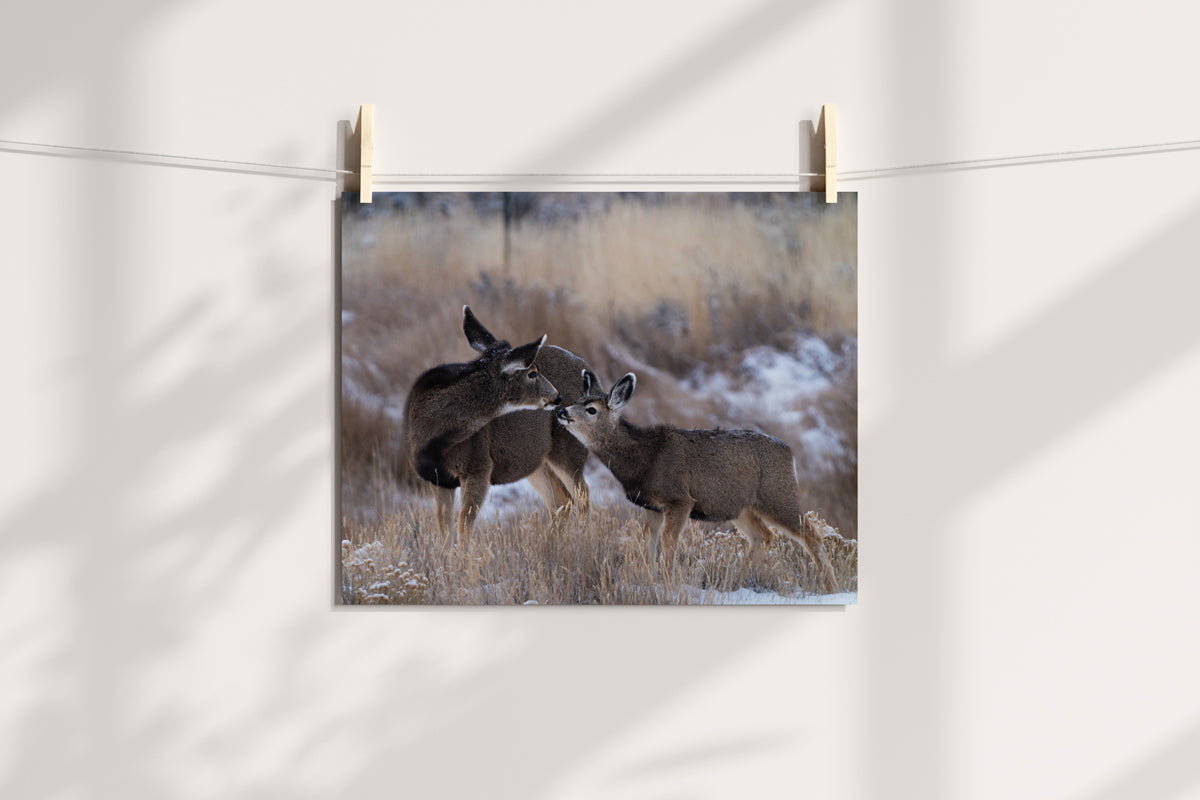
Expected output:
(465, 404)
(628, 452)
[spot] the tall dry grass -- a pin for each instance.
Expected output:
(661, 286)
(398, 556)
(685, 279)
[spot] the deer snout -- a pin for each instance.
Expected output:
(562, 415)
(555, 403)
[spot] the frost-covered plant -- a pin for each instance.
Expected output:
(370, 578)
(843, 552)
(720, 559)
(526, 554)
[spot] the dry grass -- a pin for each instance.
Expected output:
(661, 287)
(835, 491)
(678, 281)
(531, 556)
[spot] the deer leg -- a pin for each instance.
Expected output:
(573, 484)
(653, 521)
(810, 539)
(474, 492)
(445, 510)
(758, 534)
(567, 458)
(674, 518)
(548, 487)
(562, 495)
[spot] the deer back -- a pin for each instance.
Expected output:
(726, 471)
(450, 403)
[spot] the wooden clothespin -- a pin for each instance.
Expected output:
(364, 132)
(827, 131)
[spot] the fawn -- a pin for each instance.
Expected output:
(713, 475)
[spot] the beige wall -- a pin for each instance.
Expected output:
(1030, 360)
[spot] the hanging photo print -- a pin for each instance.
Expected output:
(598, 398)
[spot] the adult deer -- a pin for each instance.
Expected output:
(472, 425)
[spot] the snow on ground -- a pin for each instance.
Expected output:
(511, 498)
(750, 597)
(355, 375)
(782, 387)
(770, 382)
(741, 597)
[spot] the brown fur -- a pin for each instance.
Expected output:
(713, 475)
(458, 436)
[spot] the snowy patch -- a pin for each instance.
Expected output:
(774, 383)
(508, 499)
(355, 374)
(781, 388)
(750, 597)
(520, 497)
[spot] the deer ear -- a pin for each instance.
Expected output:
(620, 394)
(479, 337)
(522, 358)
(591, 384)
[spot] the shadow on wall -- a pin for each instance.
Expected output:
(189, 648)
(171, 656)
(1166, 773)
(1082, 365)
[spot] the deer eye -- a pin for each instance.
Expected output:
(533, 373)
(591, 410)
